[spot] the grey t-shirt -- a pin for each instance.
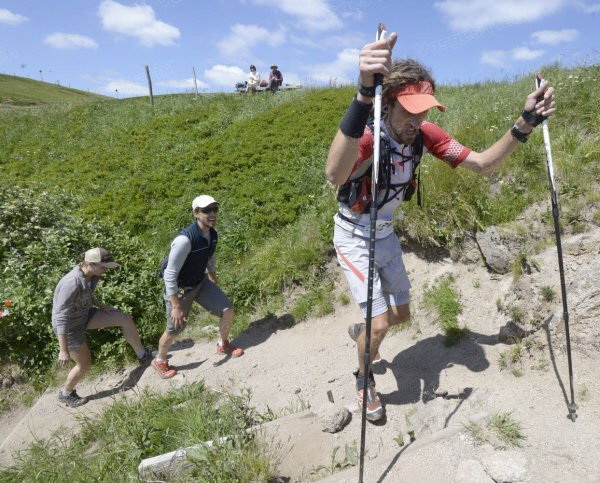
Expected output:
(180, 249)
(72, 301)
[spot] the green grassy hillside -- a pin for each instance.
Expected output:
(20, 91)
(135, 169)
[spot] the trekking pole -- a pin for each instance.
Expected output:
(381, 33)
(555, 214)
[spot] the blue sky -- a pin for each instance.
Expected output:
(103, 45)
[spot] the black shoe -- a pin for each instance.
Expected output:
(72, 400)
(146, 359)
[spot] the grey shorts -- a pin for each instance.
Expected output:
(207, 294)
(76, 335)
(390, 281)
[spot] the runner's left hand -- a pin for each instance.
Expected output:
(542, 101)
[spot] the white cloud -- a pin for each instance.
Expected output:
(344, 69)
(243, 37)
(10, 18)
(496, 58)
(475, 15)
(182, 83)
(333, 41)
(223, 75)
(501, 58)
(525, 53)
(311, 14)
(61, 40)
(589, 8)
(126, 88)
(553, 37)
(138, 21)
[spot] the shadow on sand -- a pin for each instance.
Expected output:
(128, 383)
(425, 361)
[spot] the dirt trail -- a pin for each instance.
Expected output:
(290, 367)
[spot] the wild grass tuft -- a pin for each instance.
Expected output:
(350, 458)
(517, 314)
(507, 429)
(548, 293)
(114, 442)
(502, 431)
(444, 299)
(522, 264)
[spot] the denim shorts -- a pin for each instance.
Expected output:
(207, 294)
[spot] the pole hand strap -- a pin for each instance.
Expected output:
(533, 119)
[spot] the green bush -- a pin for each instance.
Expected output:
(40, 243)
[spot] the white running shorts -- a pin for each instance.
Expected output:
(390, 281)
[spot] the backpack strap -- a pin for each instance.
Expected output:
(356, 192)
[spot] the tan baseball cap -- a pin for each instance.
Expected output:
(203, 201)
(100, 256)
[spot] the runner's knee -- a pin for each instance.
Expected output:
(380, 325)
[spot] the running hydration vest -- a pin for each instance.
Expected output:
(356, 193)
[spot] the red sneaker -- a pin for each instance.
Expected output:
(227, 348)
(163, 369)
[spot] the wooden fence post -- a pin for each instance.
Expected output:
(150, 86)
(195, 83)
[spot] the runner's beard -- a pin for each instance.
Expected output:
(407, 134)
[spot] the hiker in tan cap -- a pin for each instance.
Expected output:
(75, 310)
(190, 276)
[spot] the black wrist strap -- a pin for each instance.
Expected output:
(531, 118)
(518, 134)
(354, 121)
(366, 91)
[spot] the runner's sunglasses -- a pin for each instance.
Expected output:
(210, 209)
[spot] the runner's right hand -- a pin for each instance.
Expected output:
(63, 358)
(177, 317)
(376, 58)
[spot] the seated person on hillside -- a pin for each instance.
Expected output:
(275, 79)
(253, 80)
(190, 276)
(75, 310)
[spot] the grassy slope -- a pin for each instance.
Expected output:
(21, 91)
(263, 156)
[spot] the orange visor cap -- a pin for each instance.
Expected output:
(417, 98)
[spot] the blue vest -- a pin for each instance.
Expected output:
(193, 270)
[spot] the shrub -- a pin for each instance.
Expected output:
(40, 243)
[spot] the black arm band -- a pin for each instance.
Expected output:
(531, 118)
(354, 121)
(518, 134)
(366, 91)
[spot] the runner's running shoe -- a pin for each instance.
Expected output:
(374, 407)
(72, 399)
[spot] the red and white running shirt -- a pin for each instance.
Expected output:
(435, 141)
